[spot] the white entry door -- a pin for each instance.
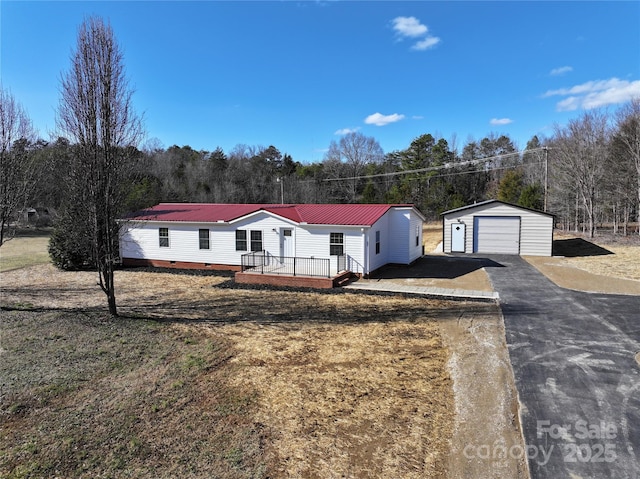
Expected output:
(286, 242)
(458, 237)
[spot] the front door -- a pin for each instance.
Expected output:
(458, 237)
(286, 242)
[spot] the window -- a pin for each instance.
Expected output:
(336, 244)
(256, 240)
(163, 236)
(417, 235)
(241, 240)
(203, 236)
(377, 242)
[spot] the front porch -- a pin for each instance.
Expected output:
(262, 267)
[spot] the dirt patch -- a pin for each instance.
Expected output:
(438, 271)
(604, 265)
(487, 418)
(566, 275)
(350, 400)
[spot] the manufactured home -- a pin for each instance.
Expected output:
(273, 238)
(497, 227)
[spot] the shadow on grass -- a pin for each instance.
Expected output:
(437, 267)
(287, 308)
(578, 247)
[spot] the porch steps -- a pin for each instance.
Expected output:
(343, 279)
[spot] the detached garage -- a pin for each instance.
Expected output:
(497, 227)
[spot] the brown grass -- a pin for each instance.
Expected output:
(20, 252)
(88, 396)
(431, 236)
(349, 399)
(326, 384)
(603, 265)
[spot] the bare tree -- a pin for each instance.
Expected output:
(627, 141)
(350, 157)
(17, 175)
(96, 112)
(580, 152)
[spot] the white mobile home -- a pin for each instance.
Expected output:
(497, 227)
(354, 237)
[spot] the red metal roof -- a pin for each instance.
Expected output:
(324, 214)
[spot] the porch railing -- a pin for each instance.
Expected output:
(264, 262)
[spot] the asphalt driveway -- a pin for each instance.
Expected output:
(577, 378)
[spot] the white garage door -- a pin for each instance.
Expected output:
(493, 234)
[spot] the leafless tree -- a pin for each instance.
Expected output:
(17, 175)
(349, 157)
(579, 152)
(97, 114)
(627, 141)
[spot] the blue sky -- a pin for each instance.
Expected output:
(297, 75)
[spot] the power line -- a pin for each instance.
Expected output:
(442, 167)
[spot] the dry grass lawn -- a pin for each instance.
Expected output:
(202, 379)
(599, 265)
(329, 385)
(19, 252)
(431, 236)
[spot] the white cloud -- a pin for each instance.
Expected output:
(346, 131)
(379, 119)
(417, 117)
(595, 94)
(501, 121)
(426, 43)
(409, 27)
(560, 71)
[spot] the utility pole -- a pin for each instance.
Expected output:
(281, 181)
(546, 176)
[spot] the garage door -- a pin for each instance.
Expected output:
(496, 234)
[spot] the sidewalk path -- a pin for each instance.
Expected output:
(386, 286)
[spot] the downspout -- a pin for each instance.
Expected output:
(366, 253)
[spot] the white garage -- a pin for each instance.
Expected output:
(497, 227)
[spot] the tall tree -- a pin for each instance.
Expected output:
(96, 112)
(627, 142)
(17, 176)
(349, 158)
(580, 151)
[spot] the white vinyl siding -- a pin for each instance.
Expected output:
(536, 228)
(397, 229)
(313, 241)
(415, 243)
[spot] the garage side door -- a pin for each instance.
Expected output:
(493, 234)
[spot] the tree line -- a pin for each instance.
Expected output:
(587, 172)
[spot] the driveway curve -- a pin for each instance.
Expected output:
(573, 357)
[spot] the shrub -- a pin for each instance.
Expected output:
(69, 248)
